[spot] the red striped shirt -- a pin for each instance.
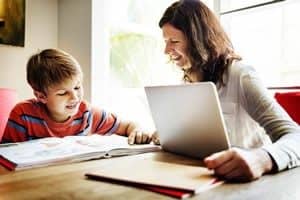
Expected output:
(29, 120)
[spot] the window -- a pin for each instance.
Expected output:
(233, 5)
(267, 37)
(136, 57)
(130, 48)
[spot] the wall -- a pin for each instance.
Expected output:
(40, 32)
(64, 24)
(74, 35)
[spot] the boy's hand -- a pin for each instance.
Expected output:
(139, 137)
(134, 134)
(155, 138)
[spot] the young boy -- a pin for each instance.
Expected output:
(59, 109)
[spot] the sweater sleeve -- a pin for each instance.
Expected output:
(283, 131)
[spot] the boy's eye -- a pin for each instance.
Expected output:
(62, 94)
(77, 88)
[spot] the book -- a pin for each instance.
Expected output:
(54, 151)
(169, 191)
(180, 193)
(179, 180)
(176, 193)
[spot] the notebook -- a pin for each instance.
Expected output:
(163, 173)
(188, 118)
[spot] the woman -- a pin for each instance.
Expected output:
(196, 42)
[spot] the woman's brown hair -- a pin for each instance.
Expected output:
(209, 49)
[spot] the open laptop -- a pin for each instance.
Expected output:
(188, 118)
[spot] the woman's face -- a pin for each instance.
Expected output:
(176, 46)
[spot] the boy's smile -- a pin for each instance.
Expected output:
(72, 106)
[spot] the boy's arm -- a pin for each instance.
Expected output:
(134, 133)
(107, 123)
(15, 130)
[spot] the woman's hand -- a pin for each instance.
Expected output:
(239, 164)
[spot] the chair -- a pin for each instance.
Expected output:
(8, 99)
(290, 101)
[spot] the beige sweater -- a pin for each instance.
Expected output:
(254, 119)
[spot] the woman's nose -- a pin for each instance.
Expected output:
(167, 49)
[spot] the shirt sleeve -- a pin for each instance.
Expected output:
(15, 130)
(104, 123)
(283, 131)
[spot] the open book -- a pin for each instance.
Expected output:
(164, 173)
(53, 151)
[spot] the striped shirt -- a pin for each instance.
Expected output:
(29, 120)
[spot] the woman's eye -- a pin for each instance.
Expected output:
(77, 88)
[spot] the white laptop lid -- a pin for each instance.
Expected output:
(188, 118)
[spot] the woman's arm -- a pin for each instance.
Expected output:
(283, 131)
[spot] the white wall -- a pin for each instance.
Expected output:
(64, 24)
(74, 35)
(40, 32)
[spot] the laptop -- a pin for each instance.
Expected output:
(188, 118)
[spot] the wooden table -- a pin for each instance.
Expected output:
(68, 182)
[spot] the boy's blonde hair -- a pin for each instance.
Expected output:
(51, 67)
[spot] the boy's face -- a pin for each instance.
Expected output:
(63, 100)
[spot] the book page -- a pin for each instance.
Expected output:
(71, 148)
(100, 142)
(39, 150)
(114, 145)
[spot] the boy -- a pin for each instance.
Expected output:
(59, 109)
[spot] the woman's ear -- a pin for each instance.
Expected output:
(41, 97)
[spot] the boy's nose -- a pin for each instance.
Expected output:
(74, 96)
